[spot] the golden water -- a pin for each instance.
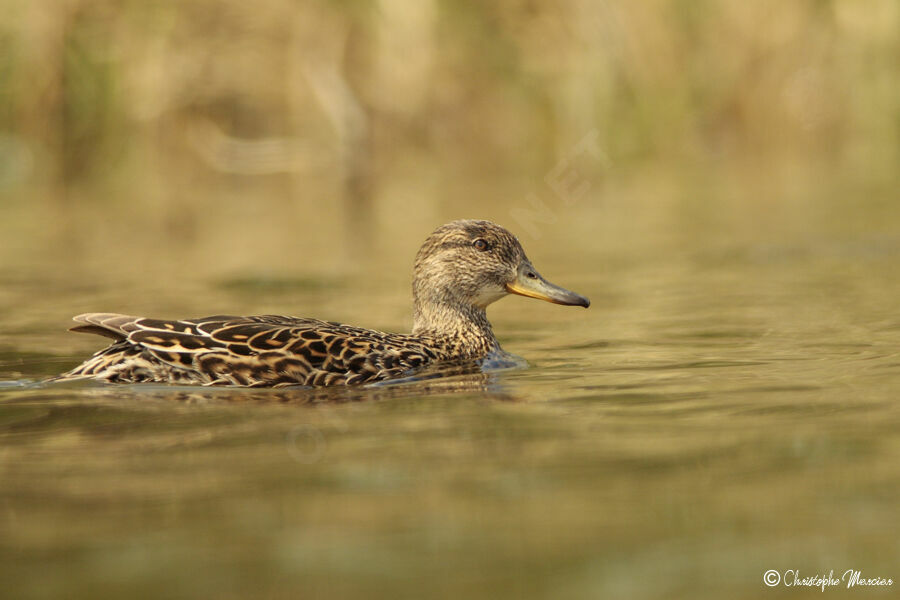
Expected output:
(728, 405)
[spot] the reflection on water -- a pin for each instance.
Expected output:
(726, 406)
(452, 380)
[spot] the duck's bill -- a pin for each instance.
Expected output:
(530, 283)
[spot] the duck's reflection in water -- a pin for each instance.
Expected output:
(454, 378)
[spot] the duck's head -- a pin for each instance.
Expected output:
(470, 264)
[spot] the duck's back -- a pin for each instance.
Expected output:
(258, 351)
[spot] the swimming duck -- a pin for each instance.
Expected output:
(461, 268)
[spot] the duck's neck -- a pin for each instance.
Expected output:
(465, 327)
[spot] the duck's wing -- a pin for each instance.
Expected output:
(267, 350)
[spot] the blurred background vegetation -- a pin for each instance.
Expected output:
(281, 136)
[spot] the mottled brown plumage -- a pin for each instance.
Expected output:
(461, 268)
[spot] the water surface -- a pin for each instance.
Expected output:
(728, 405)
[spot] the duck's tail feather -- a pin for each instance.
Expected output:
(111, 325)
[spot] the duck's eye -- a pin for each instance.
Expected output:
(481, 245)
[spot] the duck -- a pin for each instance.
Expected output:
(461, 268)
